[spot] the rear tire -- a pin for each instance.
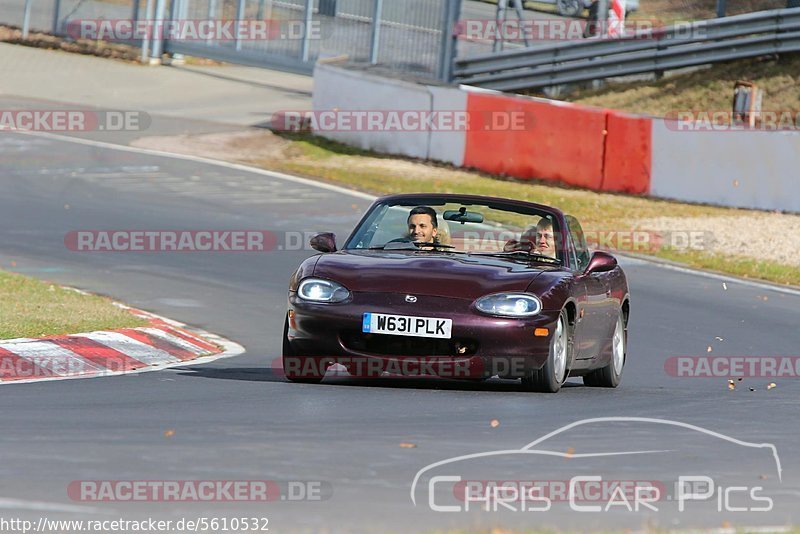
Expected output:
(554, 372)
(293, 368)
(611, 375)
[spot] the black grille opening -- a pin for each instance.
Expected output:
(389, 345)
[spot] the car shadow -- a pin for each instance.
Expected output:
(436, 383)
(265, 374)
(251, 374)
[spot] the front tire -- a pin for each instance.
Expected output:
(293, 368)
(611, 375)
(554, 372)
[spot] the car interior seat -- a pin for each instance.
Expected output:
(443, 230)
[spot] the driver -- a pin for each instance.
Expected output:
(422, 225)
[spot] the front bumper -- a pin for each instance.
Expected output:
(480, 346)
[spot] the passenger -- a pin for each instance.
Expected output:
(422, 225)
(539, 239)
(544, 241)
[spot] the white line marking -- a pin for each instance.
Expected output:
(716, 276)
(19, 504)
(199, 159)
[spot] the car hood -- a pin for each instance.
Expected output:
(427, 273)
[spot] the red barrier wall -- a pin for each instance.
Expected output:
(560, 142)
(628, 153)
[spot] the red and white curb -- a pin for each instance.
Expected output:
(162, 344)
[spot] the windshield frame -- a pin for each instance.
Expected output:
(381, 205)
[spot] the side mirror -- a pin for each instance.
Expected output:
(601, 262)
(325, 242)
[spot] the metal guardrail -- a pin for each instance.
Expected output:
(675, 47)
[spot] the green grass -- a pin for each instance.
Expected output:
(743, 267)
(319, 158)
(32, 308)
(708, 89)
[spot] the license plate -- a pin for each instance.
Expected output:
(406, 325)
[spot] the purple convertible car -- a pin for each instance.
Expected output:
(459, 286)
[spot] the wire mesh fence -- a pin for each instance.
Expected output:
(400, 35)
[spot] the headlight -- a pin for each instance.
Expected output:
(318, 290)
(509, 304)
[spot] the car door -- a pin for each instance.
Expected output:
(592, 317)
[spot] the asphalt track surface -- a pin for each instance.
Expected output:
(238, 419)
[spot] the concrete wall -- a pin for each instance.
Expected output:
(341, 89)
(748, 169)
(532, 138)
(448, 146)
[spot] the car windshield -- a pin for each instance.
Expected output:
(451, 226)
